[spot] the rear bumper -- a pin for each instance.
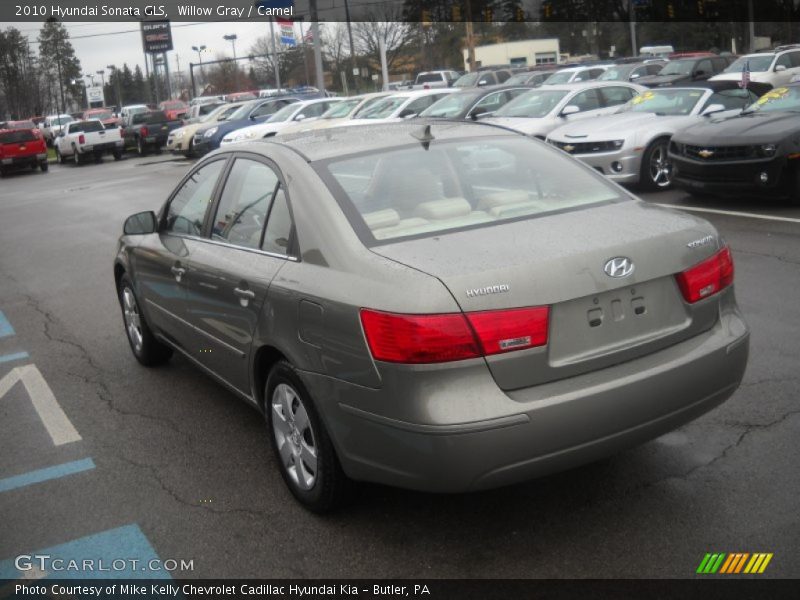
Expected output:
(103, 148)
(533, 431)
(30, 159)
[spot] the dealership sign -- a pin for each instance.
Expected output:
(156, 36)
(95, 94)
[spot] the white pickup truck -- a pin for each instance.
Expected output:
(80, 140)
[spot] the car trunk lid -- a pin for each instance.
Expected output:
(558, 261)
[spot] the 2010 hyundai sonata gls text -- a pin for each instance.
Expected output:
(443, 307)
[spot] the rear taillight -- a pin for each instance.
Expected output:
(419, 339)
(708, 277)
(81, 139)
(143, 131)
(506, 330)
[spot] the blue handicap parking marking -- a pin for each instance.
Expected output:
(46, 474)
(5, 326)
(4, 358)
(121, 553)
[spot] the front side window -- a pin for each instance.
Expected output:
(678, 67)
(456, 184)
(586, 100)
(731, 99)
(244, 204)
(450, 106)
(188, 207)
(617, 95)
(779, 99)
(534, 104)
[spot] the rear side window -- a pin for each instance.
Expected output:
(457, 184)
(187, 210)
(502, 76)
(244, 204)
(279, 226)
(794, 57)
(784, 60)
(587, 100)
(703, 67)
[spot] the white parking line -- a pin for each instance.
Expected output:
(50, 412)
(731, 213)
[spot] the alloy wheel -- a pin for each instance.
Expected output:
(660, 167)
(294, 437)
(133, 320)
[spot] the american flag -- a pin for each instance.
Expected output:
(745, 75)
(308, 37)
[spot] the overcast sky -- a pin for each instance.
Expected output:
(117, 48)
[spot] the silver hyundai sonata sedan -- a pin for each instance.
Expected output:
(437, 306)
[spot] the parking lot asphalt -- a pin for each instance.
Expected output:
(178, 468)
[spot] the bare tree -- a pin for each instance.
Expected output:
(384, 23)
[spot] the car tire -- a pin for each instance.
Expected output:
(656, 170)
(141, 147)
(303, 450)
(60, 157)
(98, 158)
(144, 345)
(44, 166)
(117, 154)
(158, 149)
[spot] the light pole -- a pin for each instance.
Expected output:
(102, 74)
(200, 50)
(115, 73)
(232, 39)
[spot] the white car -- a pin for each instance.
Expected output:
(543, 109)
(576, 74)
(631, 146)
(80, 140)
(776, 68)
(52, 125)
(348, 108)
(398, 106)
(291, 114)
(131, 109)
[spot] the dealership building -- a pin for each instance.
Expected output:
(525, 53)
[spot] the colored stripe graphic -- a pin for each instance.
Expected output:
(13, 356)
(734, 562)
(46, 474)
(5, 326)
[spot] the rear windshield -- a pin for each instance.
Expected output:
(468, 183)
(157, 116)
(17, 136)
(21, 125)
(99, 115)
(86, 126)
(429, 78)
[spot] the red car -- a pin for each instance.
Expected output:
(106, 115)
(20, 148)
(174, 109)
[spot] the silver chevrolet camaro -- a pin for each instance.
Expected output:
(437, 306)
(631, 145)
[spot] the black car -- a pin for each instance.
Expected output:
(472, 103)
(148, 130)
(755, 152)
(686, 70)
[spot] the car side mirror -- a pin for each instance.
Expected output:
(300, 117)
(635, 76)
(713, 108)
(478, 114)
(699, 73)
(570, 110)
(142, 223)
(407, 113)
(780, 68)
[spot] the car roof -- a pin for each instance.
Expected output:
(322, 144)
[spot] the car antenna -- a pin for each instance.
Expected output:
(424, 135)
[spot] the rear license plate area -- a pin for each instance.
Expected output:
(616, 320)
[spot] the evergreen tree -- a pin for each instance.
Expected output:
(60, 65)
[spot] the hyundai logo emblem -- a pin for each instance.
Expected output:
(620, 266)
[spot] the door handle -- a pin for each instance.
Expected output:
(178, 272)
(244, 294)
